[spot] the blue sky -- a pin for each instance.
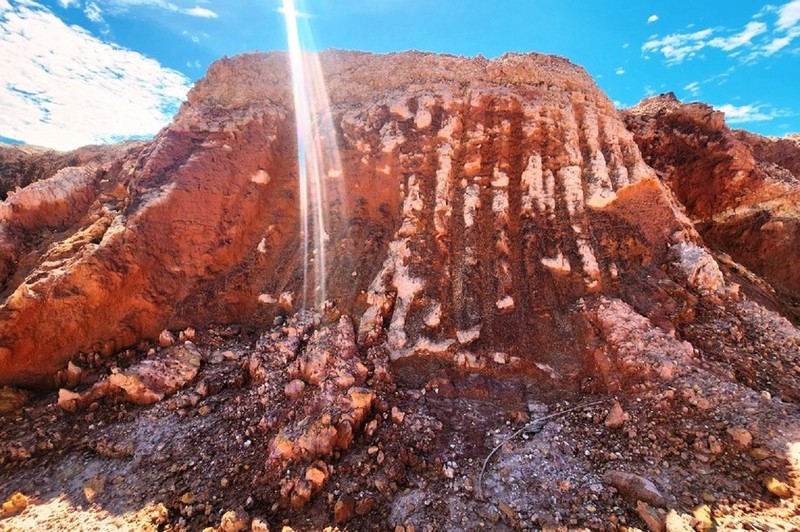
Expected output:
(88, 71)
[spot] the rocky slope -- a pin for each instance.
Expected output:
(480, 206)
(22, 165)
(507, 252)
(741, 190)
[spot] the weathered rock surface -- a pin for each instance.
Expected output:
(741, 190)
(22, 165)
(498, 217)
(484, 198)
(145, 383)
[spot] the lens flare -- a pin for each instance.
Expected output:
(317, 151)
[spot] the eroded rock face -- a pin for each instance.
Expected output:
(740, 189)
(22, 165)
(482, 204)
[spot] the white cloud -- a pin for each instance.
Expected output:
(678, 46)
(93, 12)
(69, 3)
(779, 43)
(752, 30)
(789, 15)
(743, 114)
(619, 71)
(63, 88)
(121, 6)
(652, 18)
(199, 12)
(757, 39)
(693, 88)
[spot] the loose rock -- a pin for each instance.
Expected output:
(635, 488)
(741, 436)
(653, 518)
(234, 521)
(617, 417)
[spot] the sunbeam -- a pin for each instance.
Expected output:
(317, 151)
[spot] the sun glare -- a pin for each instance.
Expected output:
(317, 151)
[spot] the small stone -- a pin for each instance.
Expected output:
(259, 525)
(651, 517)
(759, 453)
(204, 410)
(509, 512)
(68, 401)
(500, 357)
(224, 482)
(300, 494)
(617, 417)
(741, 436)
(778, 488)
(676, 522)
(371, 427)
(635, 488)
(294, 389)
(73, 374)
(702, 517)
(234, 521)
(343, 509)
(166, 338)
(397, 415)
(94, 487)
(316, 476)
(667, 371)
(365, 506)
(15, 504)
(187, 335)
